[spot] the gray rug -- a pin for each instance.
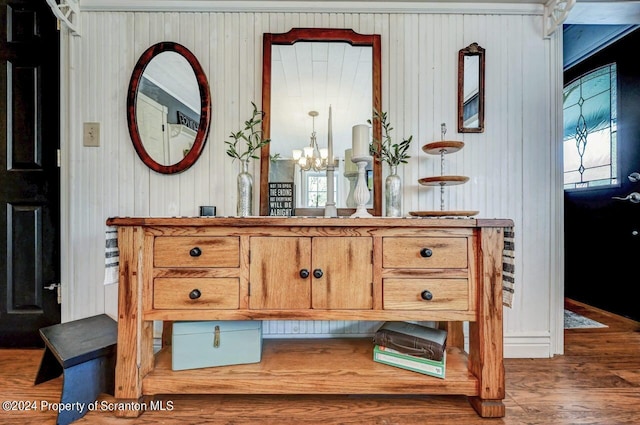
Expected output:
(575, 321)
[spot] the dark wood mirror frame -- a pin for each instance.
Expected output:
(205, 110)
(472, 50)
(326, 35)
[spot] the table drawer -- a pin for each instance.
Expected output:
(425, 294)
(196, 293)
(196, 251)
(424, 252)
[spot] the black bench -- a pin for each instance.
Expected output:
(84, 351)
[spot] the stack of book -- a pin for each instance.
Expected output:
(411, 346)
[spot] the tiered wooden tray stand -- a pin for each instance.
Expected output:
(442, 148)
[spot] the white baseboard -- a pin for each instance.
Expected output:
(527, 346)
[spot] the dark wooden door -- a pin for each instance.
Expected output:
(29, 174)
(602, 234)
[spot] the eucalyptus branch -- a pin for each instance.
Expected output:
(385, 150)
(251, 135)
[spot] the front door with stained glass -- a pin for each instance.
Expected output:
(590, 129)
(601, 154)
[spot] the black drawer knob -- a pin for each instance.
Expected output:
(195, 252)
(304, 273)
(195, 294)
(426, 252)
(317, 273)
(426, 295)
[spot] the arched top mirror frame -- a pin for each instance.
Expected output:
(322, 35)
(471, 89)
(205, 108)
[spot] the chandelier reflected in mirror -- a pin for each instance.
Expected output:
(311, 157)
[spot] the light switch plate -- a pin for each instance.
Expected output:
(91, 134)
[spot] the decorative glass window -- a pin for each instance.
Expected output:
(590, 130)
(316, 189)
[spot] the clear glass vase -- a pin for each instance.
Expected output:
(245, 191)
(393, 193)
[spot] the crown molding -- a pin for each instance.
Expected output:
(332, 6)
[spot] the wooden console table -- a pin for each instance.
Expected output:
(300, 268)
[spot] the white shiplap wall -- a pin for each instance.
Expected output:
(513, 165)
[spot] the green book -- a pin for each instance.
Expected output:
(395, 358)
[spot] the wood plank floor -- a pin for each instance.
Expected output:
(596, 381)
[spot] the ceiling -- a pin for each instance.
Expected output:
(593, 25)
(582, 41)
(604, 12)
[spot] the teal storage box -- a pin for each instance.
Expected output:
(215, 343)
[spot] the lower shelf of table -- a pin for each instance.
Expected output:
(311, 366)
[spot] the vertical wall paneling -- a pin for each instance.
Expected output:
(422, 165)
(90, 297)
(513, 165)
(536, 202)
(513, 100)
(233, 103)
(94, 185)
(139, 184)
(407, 124)
(122, 170)
(200, 171)
(217, 132)
(492, 193)
(247, 85)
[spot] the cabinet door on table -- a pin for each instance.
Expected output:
(305, 272)
(276, 273)
(346, 266)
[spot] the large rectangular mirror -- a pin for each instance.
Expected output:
(306, 72)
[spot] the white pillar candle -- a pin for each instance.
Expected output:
(360, 140)
(349, 166)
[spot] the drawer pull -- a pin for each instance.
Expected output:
(426, 252)
(195, 294)
(426, 295)
(317, 273)
(195, 252)
(304, 273)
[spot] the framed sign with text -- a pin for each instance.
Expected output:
(281, 198)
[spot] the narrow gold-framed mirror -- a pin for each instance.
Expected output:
(310, 51)
(471, 89)
(168, 108)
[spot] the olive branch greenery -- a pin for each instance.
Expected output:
(385, 150)
(251, 135)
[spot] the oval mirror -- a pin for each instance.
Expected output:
(168, 108)
(305, 72)
(471, 89)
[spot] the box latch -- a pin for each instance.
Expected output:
(216, 337)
